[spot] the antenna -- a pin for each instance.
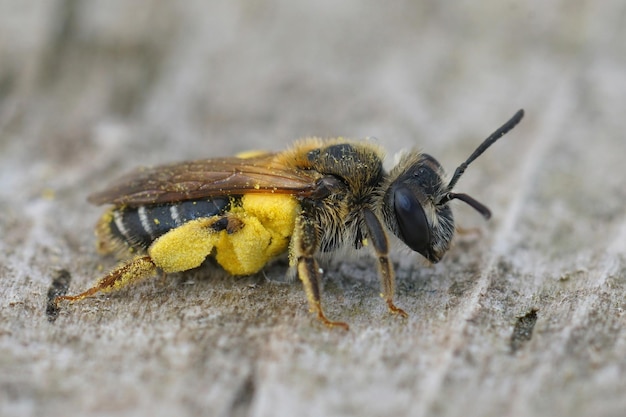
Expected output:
(479, 207)
(501, 131)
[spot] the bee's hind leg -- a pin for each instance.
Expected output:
(135, 270)
(180, 249)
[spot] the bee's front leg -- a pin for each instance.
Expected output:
(304, 244)
(379, 241)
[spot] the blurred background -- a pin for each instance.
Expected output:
(90, 89)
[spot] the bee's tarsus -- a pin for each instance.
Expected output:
(332, 324)
(396, 310)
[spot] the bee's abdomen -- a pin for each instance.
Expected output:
(140, 226)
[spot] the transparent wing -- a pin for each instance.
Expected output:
(203, 178)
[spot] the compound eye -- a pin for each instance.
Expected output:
(411, 218)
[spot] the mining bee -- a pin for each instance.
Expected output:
(244, 211)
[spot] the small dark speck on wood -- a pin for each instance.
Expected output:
(523, 330)
(243, 397)
(59, 286)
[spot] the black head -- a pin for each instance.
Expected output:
(416, 200)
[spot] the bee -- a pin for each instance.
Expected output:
(316, 197)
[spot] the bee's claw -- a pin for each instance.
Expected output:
(396, 310)
(321, 317)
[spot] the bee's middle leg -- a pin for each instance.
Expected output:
(305, 243)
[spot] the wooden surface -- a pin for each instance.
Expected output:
(524, 318)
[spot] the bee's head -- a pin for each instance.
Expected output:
(412, 209)
(416, 200)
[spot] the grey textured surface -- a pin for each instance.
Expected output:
(525, 319)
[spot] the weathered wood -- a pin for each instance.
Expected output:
(524, 318)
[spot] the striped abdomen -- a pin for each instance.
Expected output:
(140, 226)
